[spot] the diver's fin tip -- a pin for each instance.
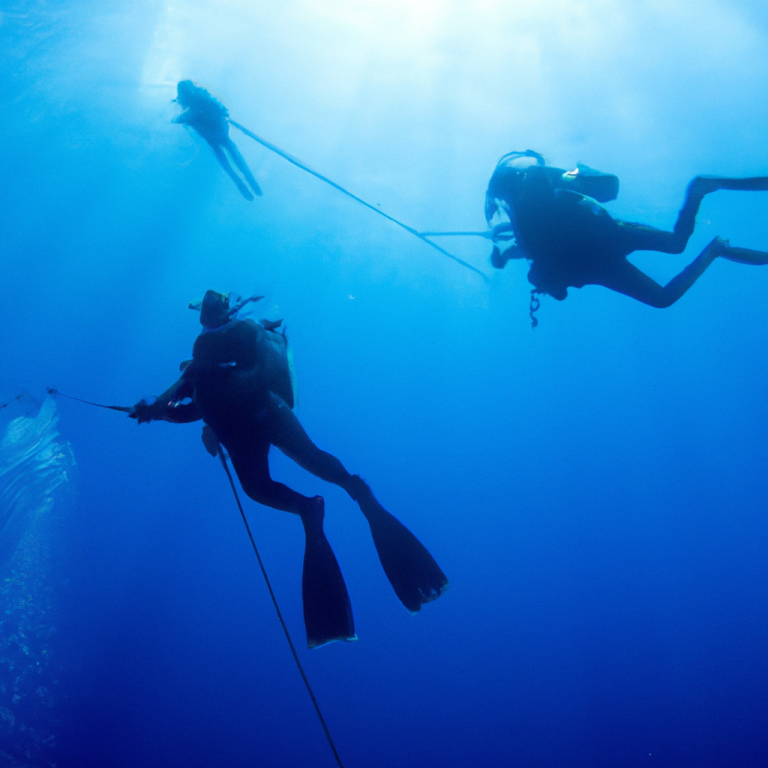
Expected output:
(425, 597)
(433, 594)
(312, 644)
(410, 568)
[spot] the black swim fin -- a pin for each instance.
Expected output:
(411, 570)
(327, 608)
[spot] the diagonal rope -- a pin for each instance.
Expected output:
(225, 464)
(488, 234)
(123, 408)
(12, 400)
(304, 167)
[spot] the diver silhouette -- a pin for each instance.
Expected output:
(209, 117)
(239, 383)
(556, 222)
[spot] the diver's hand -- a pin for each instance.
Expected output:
(503, 231)
(499, 259)
(144, 411)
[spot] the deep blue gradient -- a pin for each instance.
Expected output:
(594, 489)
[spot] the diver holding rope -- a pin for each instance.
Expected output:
(239, 383)
(555, 220)
(209, 118)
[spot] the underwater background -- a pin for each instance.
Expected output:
(595, 489)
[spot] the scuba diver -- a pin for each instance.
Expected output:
(555, 221)
(209, 117)
(239, 383)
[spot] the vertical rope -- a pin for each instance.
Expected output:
(224, 464)
(223, 458)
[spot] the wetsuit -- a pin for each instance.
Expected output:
(572, 241)
(563, 232)
(209, 117)
(239, 383)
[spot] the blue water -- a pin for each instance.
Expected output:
(594, 489)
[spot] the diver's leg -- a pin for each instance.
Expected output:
(686, 219)
(251, 462)
(704, 185)
(224, 163)
(744, 255)
(639, 237)
(327, 609)
(411, 570)
(239, 161)
(287, 434)
(626, 278)
(701, 186)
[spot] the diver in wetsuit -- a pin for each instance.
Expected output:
(239, 383)
(556, 222)
(208, 116)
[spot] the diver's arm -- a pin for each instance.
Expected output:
(169, 405)
(499, 259)
(503, 231)
(514, 252)
(183, 118)
(181, 413)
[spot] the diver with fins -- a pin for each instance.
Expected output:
(209, 117)
(239, 383)
(555, 220)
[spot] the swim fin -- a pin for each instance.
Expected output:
(327, 608)
(411, 570)
(744, 255)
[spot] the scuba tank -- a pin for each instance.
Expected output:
(264, 350)
(278, 362)
(600, 186)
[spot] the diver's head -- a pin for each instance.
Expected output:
(507, 177)
(185, 91)
(214, 309)
(519, 161)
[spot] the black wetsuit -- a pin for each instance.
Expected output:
(239, 383)
(568, 236)
(209, 117)
(563, 232)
